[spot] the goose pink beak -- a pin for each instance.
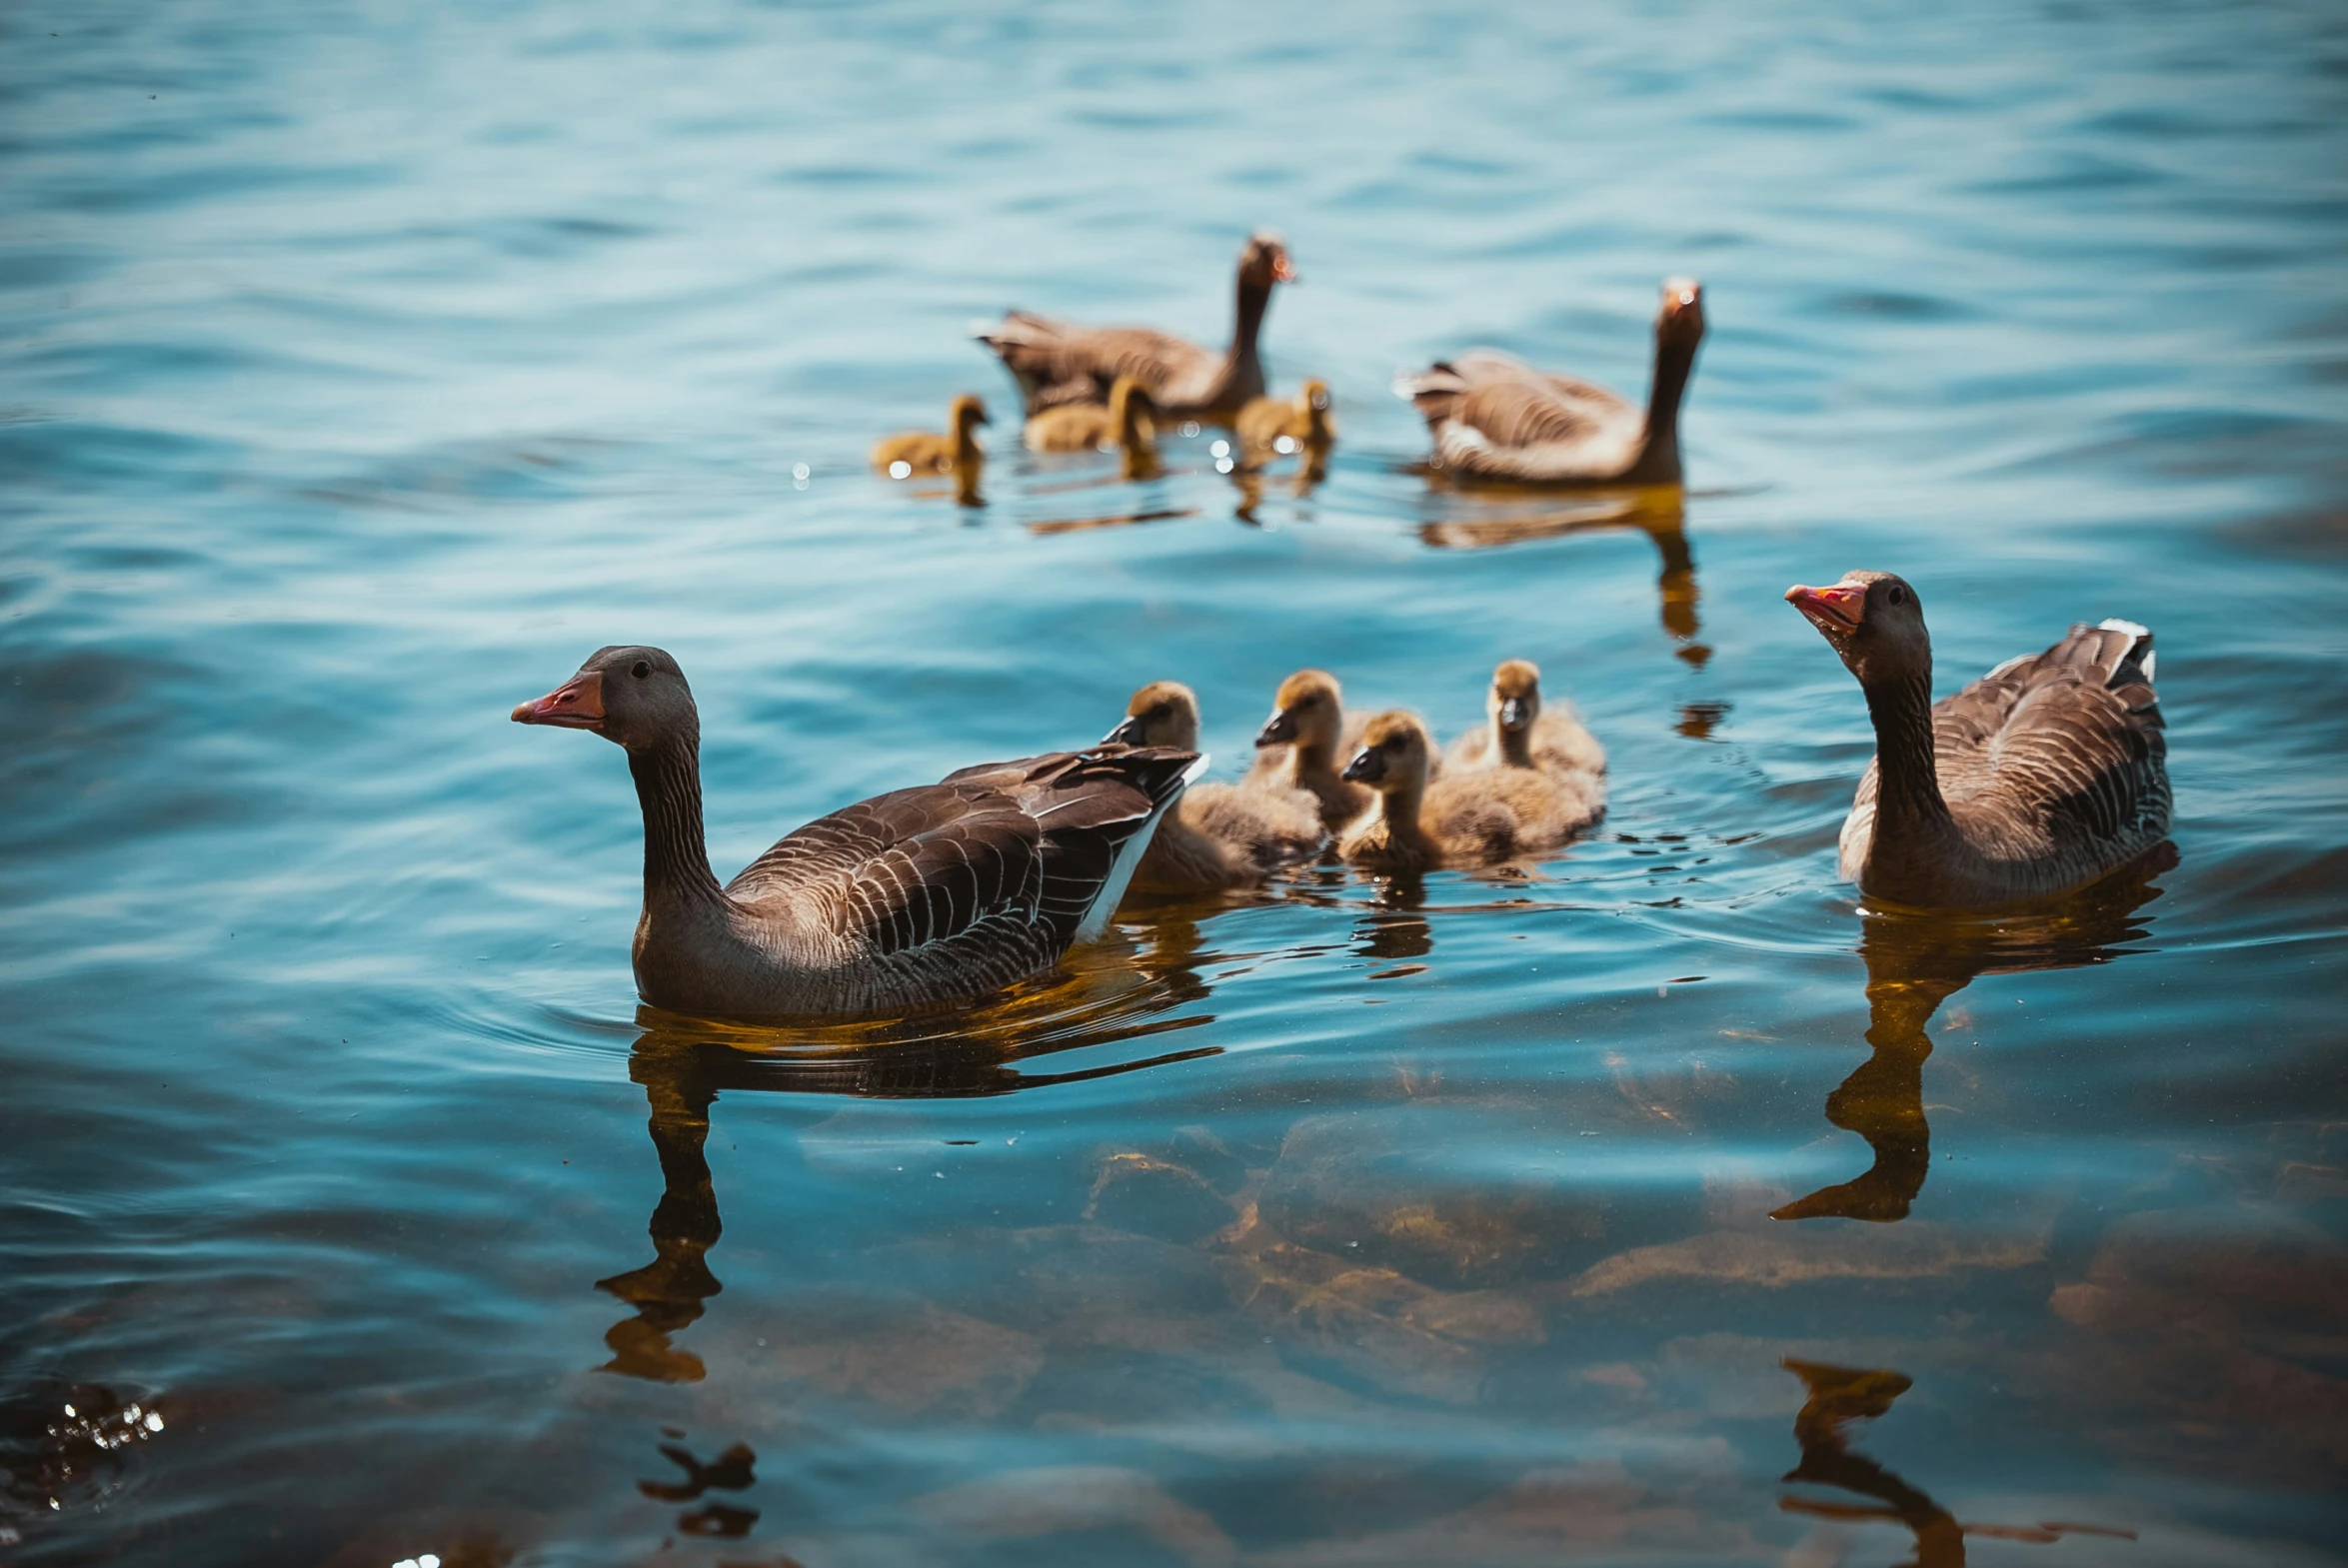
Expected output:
(577, 704)
(1835, 610)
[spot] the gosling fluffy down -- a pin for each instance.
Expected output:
(1126, 423)
(1303, 420)
(1218, 835)
(1478, 816)
(928, 452)
(1519, 733)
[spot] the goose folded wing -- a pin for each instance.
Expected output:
(2071, 735)
(912, 867)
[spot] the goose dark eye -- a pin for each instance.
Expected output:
(643, 668)
(1898, 595)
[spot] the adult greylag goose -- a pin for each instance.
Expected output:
(1303, 422)
(928, 895)
(1476, 817)
(1057, 361)
(1125, 425)
(1218, 835)
(1494, 417)
(2043, 776)
(929, 451)
(1518, 732)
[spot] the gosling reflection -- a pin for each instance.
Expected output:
(1914, 963)
(1659, 510)
(1840, 1395)
(1106, 995)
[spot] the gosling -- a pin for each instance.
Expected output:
(1218, 835)
(1303, 423)
(1126, 423)
(1519, 733)
(928, 452)
(1478, 817)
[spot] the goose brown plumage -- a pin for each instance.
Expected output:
(1057, 361)
(1218, 835)
(1520, 732)
(934, 894)
(1478, 817)
(1494, 417)
(1303, 422)
(2047, 774)
(929, 451)
(1126, 423)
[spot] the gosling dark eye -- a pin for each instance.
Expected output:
(643, 668)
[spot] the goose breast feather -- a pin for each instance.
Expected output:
(2054, 762)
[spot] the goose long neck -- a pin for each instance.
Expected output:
(676, 854)
(1907, 789)
(1674, 363)
(1255, 299)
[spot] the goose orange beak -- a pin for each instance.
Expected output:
(577, 704)
(1835, 610)
(1284, 269)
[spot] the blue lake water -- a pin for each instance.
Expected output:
(363, 367)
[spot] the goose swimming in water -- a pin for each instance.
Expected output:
(1057, 361)
(927, 451)
(1218, 835)
(935, 893)
(1494, 417)
(2045, 775)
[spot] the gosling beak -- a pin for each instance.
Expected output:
(983, 418)
(577, 704)
(1513, 714)
(1369, 767)
(1127, 733)
(1278, 729)
(1835, 610)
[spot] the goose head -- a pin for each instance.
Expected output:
(1164, 712)
(1680, 323)
(1874, 620)
(1394, 756)
(1308, 710)
(1263, 261)
(1515, 698)
(968, 414)
(633, 696)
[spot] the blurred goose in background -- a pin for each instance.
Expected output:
(1494, 417)
(934, 894)
(1303, 422)
(2045, 775)
(1478, 817)
(1521, 733)
(1218, 835)
(1056, 362)
(1125, 425)
(928, 452)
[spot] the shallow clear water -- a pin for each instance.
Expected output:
(365, 368)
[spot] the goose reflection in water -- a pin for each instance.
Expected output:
(1659, 510)
(1105, 994)
(1916, 962)
(1840, 1395)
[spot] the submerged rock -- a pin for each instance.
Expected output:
(1155, 1197)
(1362, 1186)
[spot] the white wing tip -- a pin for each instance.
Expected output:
(2115, 624)
(1197, 769)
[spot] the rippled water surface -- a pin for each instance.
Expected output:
(362, 368)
